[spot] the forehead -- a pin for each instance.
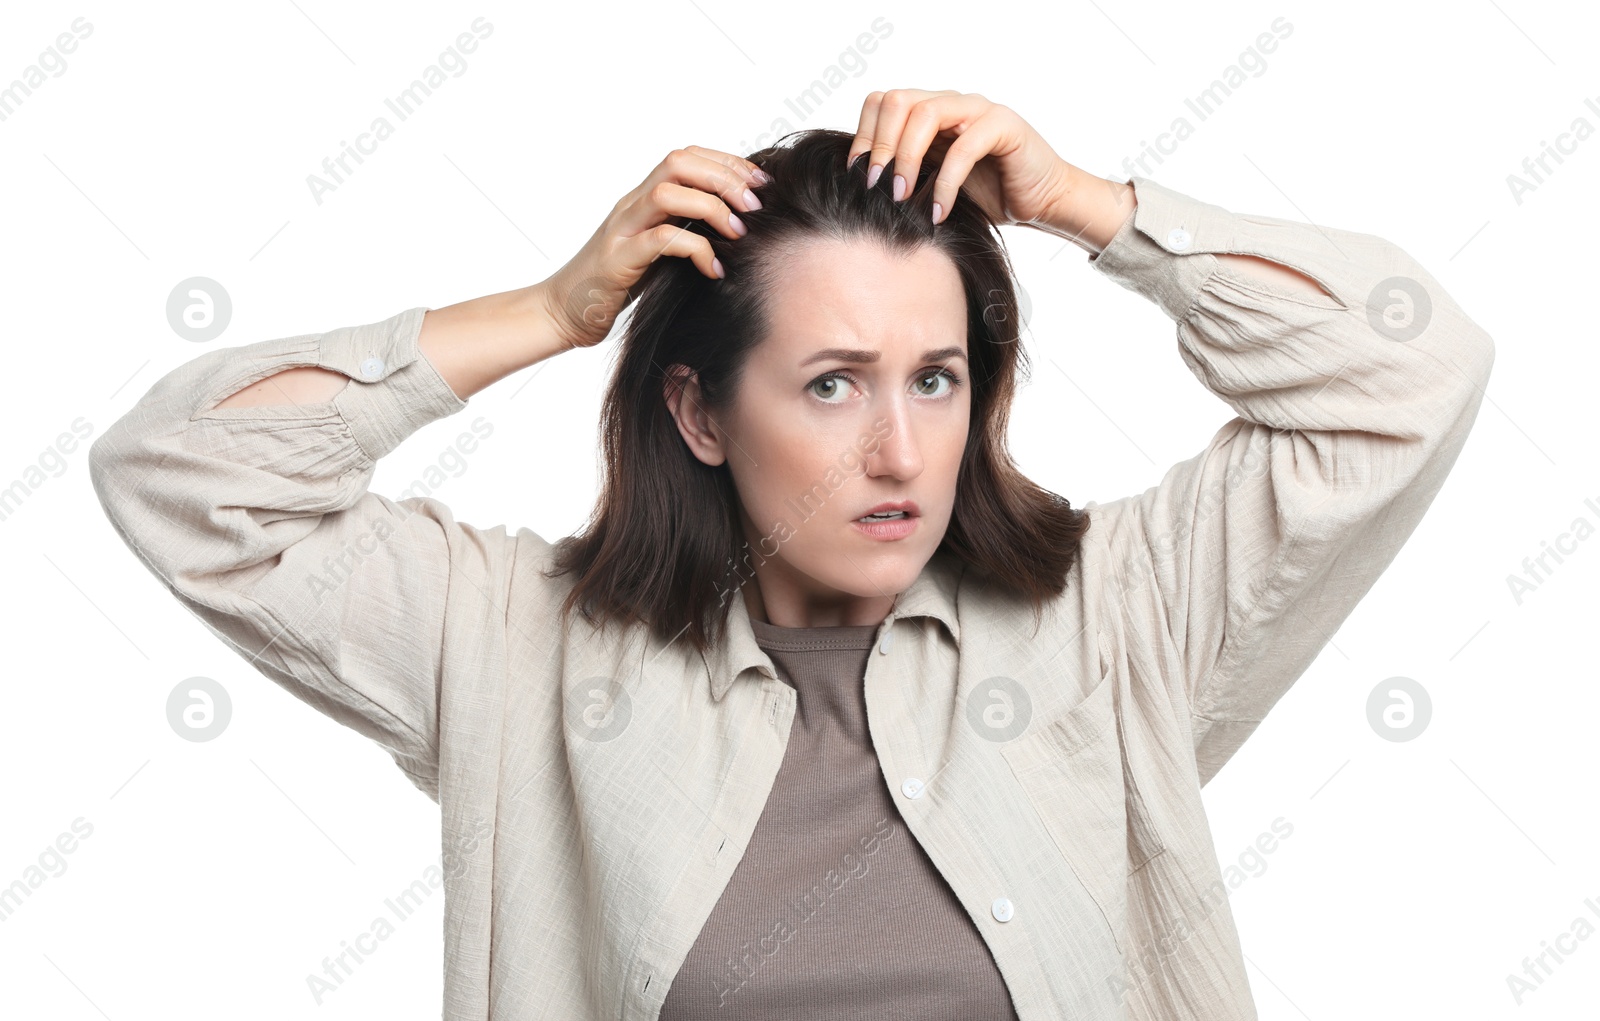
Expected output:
(831, 289)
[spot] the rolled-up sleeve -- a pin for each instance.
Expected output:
(259, 520)
(1245, 559)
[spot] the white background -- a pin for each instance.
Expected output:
(178, 142)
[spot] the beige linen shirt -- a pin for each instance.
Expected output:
(597, 789)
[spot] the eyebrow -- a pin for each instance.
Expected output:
(859, 354)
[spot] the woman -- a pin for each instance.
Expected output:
(855, 720)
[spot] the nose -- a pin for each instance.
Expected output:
(898, 454)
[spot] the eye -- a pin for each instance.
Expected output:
(955, 382)
(834, 378)
(831, 381)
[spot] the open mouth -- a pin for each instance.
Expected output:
(889, 521)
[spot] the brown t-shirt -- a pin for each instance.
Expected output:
(835, 911)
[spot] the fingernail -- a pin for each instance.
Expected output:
(899, 187)
(716, 264)
(761, 175)
(750, 200)
(872, 176)
(737, 224)
(937, 209)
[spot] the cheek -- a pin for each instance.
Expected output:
(944, 468)
(946, 447)
(780, 467)
(954, 437)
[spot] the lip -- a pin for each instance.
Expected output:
(888, 531)
(909, 506)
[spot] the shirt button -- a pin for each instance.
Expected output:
(372, 368)
(1178, 239)
(1002, 909)
(886, 641)
(912, 788)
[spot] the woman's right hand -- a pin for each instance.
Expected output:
(587, 294)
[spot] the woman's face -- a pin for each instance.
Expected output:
(859, 397)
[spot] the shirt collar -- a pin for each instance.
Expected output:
(932, 594)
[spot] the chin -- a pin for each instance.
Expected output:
(890, 572)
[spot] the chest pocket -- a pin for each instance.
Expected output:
(1073, 769)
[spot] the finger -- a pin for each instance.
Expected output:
(668, 198)
(984, 137)
(639, 251)
(719, 173)
(952, 112)
(754, 176)
(888, 115)
(893, 112)
(864, 128)
(709, 170)
(893, 109)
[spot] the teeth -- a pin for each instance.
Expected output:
(884, 517)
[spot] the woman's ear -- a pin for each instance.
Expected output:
(681, 391)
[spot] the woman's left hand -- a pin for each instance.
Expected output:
(1003, 163)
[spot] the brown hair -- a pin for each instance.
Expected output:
(662, 541)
